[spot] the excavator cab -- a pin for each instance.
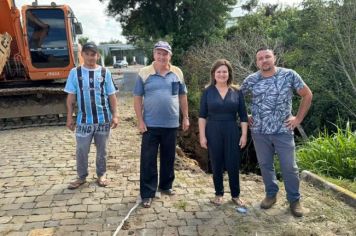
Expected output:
(51, 38)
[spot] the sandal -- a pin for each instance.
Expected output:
(237, 201)
(218, 200)
(76, 183)
(146, 202)
(102, 182)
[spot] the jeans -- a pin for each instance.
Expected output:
(266, 146)
(84, 135)
(165, 139)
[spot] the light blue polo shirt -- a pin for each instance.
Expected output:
(272, 99)
(160, 96)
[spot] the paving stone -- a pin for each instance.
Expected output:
(89, 233)
(51, 223)
(176, 222)
(62, 216)
(187, 230)
(38, 218)
(92, 208)
(19, 212)
(71, 222)
(68, 230)
(19, 233)
(186, 215)
(192, 222)
(11, 207)
(170, 231)
(58, 203)
(94, 215)
(35, 193)
(8, 200)
(203, 215)
(155, 224)
(43, 204)
(62, 197)
(77, 208)
(32, 225)
(13, 195)
(88, 227)
(42, 232)
(5, 219)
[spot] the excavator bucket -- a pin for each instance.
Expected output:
(5, 41)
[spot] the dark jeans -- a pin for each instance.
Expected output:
(165, 139)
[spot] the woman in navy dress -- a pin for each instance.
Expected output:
(219, 132)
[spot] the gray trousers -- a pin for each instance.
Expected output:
(84, 137)
(266, 145)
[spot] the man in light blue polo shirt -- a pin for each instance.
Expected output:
(272, 124)
(159, 93)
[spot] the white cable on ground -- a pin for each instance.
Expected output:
(127, 216)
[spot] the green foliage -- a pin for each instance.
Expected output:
(331, 155)
(112, 41)
(108, 60)
(83, 40)
(186, 22)
(317, 40)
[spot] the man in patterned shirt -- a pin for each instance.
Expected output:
(92, 87)
(272, 124)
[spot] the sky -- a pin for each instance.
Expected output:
(99, 27)
(237, 11)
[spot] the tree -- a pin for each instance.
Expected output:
(184, 22)
(112, 41)
(83, 40)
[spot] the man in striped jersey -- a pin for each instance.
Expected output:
(92, 88)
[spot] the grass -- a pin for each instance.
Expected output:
(330, 155)
(181, 204)
(345, 183)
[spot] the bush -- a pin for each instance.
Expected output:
(331, 155)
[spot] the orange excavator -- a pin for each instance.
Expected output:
(38, 47)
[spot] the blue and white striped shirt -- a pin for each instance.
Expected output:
(93, 93)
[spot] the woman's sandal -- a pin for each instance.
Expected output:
(218, 200)
(146, 202)
(238, 202)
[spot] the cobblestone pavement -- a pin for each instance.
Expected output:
(38, 163)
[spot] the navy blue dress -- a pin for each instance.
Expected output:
(223, 135)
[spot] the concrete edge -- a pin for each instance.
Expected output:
(343, 194)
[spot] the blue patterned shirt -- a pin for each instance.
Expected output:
(272, 99)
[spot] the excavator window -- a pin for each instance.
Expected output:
(47, 38)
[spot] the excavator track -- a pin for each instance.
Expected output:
(32, 106)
